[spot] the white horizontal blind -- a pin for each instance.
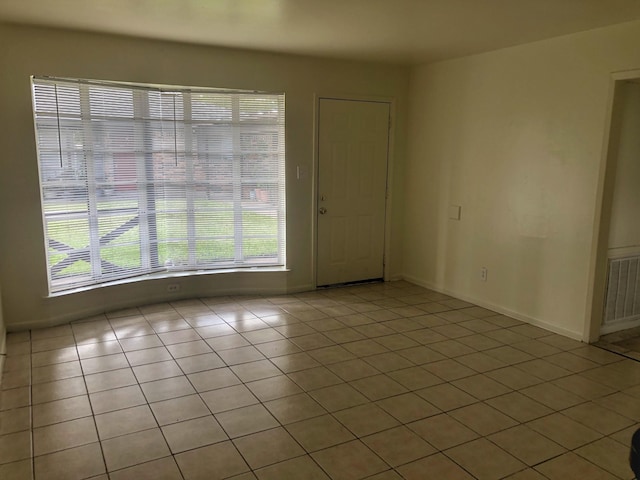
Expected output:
(137, 180)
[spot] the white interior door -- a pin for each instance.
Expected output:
(353, 143)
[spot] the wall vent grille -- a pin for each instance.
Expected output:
(623, 290)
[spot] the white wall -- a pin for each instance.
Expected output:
(515, 137)
(34, 51)
(624, 229)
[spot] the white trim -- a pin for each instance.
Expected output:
(575, 335)
(617, 326)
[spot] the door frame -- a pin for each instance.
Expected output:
(316, 170)
(604, 200)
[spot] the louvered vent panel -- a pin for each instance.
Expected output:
(623, 290)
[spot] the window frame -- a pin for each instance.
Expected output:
(186, 139)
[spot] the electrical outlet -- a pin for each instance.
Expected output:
(484, 272)
(173, 287)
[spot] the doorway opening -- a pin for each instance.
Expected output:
(614, 321)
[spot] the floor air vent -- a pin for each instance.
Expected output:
(623, 291)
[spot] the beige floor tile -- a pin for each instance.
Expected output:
(187, 349)
(20, 470)
(140, 343)
(344, 335)
(273, 388)
(213, 379)
(608, 455)
(314, 378)
(354, 369)
(446, 397)
(571, 465)
(61, 436)
(407, 407)
(148, 355)
(565, 431)
(246, 420)
(542, 369)
(295, 362)
(17, 362)
(91, 350)
(108, 380)
(73, 464)
(571, 362)
(553, 397)
(179, 336)
(294, 408)
(415, 378)
(200, 363)
(301, 467)
(217, 330)
(268, 447)
(507, 354)
(621, 403)
(443, 431)
(519, 406)
(598, 418)
(58, 371)
(239, 355)
(435, 466)
(526, 445)
(421, 355)
(61, 410)
(338, 397)
(167, 388)
(483, 418)
(162, 469)
(528, 474)
(365, 348)
(103, 364)
(513, 378)
(484, 460)
(319, 432)
(16, 378)
(218, 461)
(228, 398)
(15, 446)
(481, 386)
(52, 343)
(378, 387)
(134, 448)
(116, 399)
(50, 357)
(535, 348)
(179, 409)
(479, 361)
(365, 419)
(398, 446)
(449, 369)
(122, 422)
(262, 336)
(157, 371)
(349, 461)
(331, 354)
(194, 433)
(15, 398)
(248, 372)
(277, 348)
(16, 420)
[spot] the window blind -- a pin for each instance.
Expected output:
(137, 180)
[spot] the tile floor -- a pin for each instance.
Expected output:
(383, 381)
(625, 342)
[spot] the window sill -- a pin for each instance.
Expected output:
(167, 275)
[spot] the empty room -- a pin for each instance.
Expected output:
(339, 240)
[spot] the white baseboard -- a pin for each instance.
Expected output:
(617, 326)
(497, 308)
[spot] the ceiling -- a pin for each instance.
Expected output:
(397, 31)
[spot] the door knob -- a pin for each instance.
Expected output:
(322, 210)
